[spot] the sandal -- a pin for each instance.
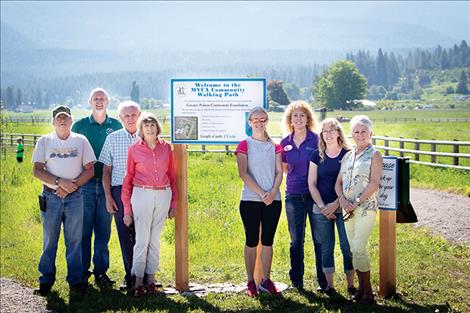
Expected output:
(139, 291)
(352, 291)
(151, 289)
(367, 298)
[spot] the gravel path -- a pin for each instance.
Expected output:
(445, 214)
(16, 297)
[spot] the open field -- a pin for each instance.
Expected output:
(421, 176)
(216, 254)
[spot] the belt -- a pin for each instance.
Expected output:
(153, 187)
(47, 189)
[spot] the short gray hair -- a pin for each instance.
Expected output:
(99, 89)
(363, 120)
(127, 104)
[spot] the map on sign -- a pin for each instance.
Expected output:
(213, 111)
(388, 188)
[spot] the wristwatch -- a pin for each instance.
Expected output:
(57, 181)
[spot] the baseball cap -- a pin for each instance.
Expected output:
(61, 109)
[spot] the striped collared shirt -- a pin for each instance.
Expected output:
(114, 153)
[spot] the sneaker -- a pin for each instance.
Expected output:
(44, 289)
(139, 291)
(321, 289)
(330, 291)
(86, 276)
(103, 279)
(151, 289)
(79, 289)
(251, 290)
(352, 291)
(269, 287)
(126, 284)
(297, 287)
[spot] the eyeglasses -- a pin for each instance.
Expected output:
(259, 120)
(329, 131)
(348, 216)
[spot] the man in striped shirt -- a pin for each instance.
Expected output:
(114, 157)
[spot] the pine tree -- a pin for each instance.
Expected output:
(19, 98)
(135, 92)
(10, 99)
(462, 87)
(380, 68)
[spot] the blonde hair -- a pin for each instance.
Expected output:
(331, 123)
(259, 109)
(287, 117)
(145, 118)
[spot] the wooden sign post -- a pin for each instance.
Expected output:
(258, 273)
(180, 158)
(387, 253)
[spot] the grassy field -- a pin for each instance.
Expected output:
(432, 275)
(421, 176)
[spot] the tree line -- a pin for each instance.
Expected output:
(388, 76)
(386, 69)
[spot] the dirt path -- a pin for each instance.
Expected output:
(443, 213)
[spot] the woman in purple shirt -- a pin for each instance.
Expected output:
(298, 147)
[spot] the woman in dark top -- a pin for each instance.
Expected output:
(323, 171)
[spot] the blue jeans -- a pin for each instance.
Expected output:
(70, 212)
(326, 229)
(97, 220)
(298, 206)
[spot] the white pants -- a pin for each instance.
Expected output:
(150, 209)
(358, 230)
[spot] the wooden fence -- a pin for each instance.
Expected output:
(41, 119)
(388, 145)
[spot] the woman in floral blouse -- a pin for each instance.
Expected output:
(357, 188)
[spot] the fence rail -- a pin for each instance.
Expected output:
(421, 119)
(9, 139)
(41, 119)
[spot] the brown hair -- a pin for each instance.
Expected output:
(147, 117)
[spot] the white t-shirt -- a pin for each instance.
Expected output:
(63, 158)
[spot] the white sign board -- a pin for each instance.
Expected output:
(213, 111)
(388, 188)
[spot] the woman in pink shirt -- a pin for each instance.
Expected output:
(149, 197)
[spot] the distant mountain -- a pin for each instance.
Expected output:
(13, 40)
(297, 41)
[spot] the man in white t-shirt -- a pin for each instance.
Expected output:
(63, 161)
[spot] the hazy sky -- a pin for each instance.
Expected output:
(226, 25)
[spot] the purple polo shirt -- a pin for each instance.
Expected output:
(298, 160)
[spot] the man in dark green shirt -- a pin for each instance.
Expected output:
(96, 218)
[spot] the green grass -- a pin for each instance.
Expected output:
(423, 176)
(431, 273)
